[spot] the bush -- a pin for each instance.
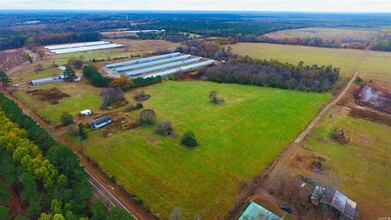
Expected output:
(66, 119)
(189, 140)
(147, 117)
(214, 99)
(164, 128)
(138, 105)
(358, 80)
(141, 96)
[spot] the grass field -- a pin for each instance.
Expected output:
(83, 96)
(362, 167)
(131, 47)
(338, 34)
(348, 60)
(237, 140)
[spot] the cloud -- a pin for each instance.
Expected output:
(243, 5)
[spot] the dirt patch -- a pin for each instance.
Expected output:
(53, 95)
(375, 96)
(11, 58)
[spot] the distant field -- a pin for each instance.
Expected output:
(338, 34)
(348, 60)
(237, 140)
(131, 47)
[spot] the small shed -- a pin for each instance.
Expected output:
(85, 112)
(335, 199)
(254, 211)
(62, 68)
(100, 122)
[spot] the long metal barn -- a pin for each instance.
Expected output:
(157, 65)
(142, 60)
(81, 47)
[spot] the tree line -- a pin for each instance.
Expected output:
(31, 41)
(248, 71)
(125, 83)
(208, 48)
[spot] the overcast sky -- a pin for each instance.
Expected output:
(221, 5)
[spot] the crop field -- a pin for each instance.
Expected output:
(237, 141)
(348, 60)
(338, 34)
(131, 47)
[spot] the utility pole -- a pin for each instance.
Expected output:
(127, 23)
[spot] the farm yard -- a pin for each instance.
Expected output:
(131, 47)
(237, 141)
(11, 58)
(347, 59)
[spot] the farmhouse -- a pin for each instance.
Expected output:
(100, 122)
(255, 211)
(335, 199)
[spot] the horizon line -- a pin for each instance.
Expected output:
(186, 10)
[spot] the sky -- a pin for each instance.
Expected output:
(209, 5)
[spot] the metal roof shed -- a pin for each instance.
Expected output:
(100, 122)
(42, 81)
(254, 211)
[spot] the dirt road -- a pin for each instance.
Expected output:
(325, 109)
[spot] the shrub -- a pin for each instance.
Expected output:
(189, 140)
(147, 117)
(66, 119)
(138, 105)
(141, 96)
(214, 99)
(358, 80)
(164, 128)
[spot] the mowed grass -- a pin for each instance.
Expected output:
(348, 60)
(363, 166)
(237, 140)
(82, 96)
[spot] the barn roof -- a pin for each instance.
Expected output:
(256, 212)
(336, 199)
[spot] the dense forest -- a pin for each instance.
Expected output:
(41, 177)
(21, 28)
(248, 71)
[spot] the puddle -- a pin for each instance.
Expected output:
(372, 97)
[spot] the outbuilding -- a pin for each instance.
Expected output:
(100, 122)
(42, 81)
(85, 112)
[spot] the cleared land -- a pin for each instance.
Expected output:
(131, 47)
(82, 96)
(237, 140)
(338, 34)
(348, 60)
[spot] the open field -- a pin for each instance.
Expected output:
(131, 47)
(237, 140)
(83, 96)
(348, 60)
(338, 34)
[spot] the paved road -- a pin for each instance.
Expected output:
(103, 194)
(325, 109)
